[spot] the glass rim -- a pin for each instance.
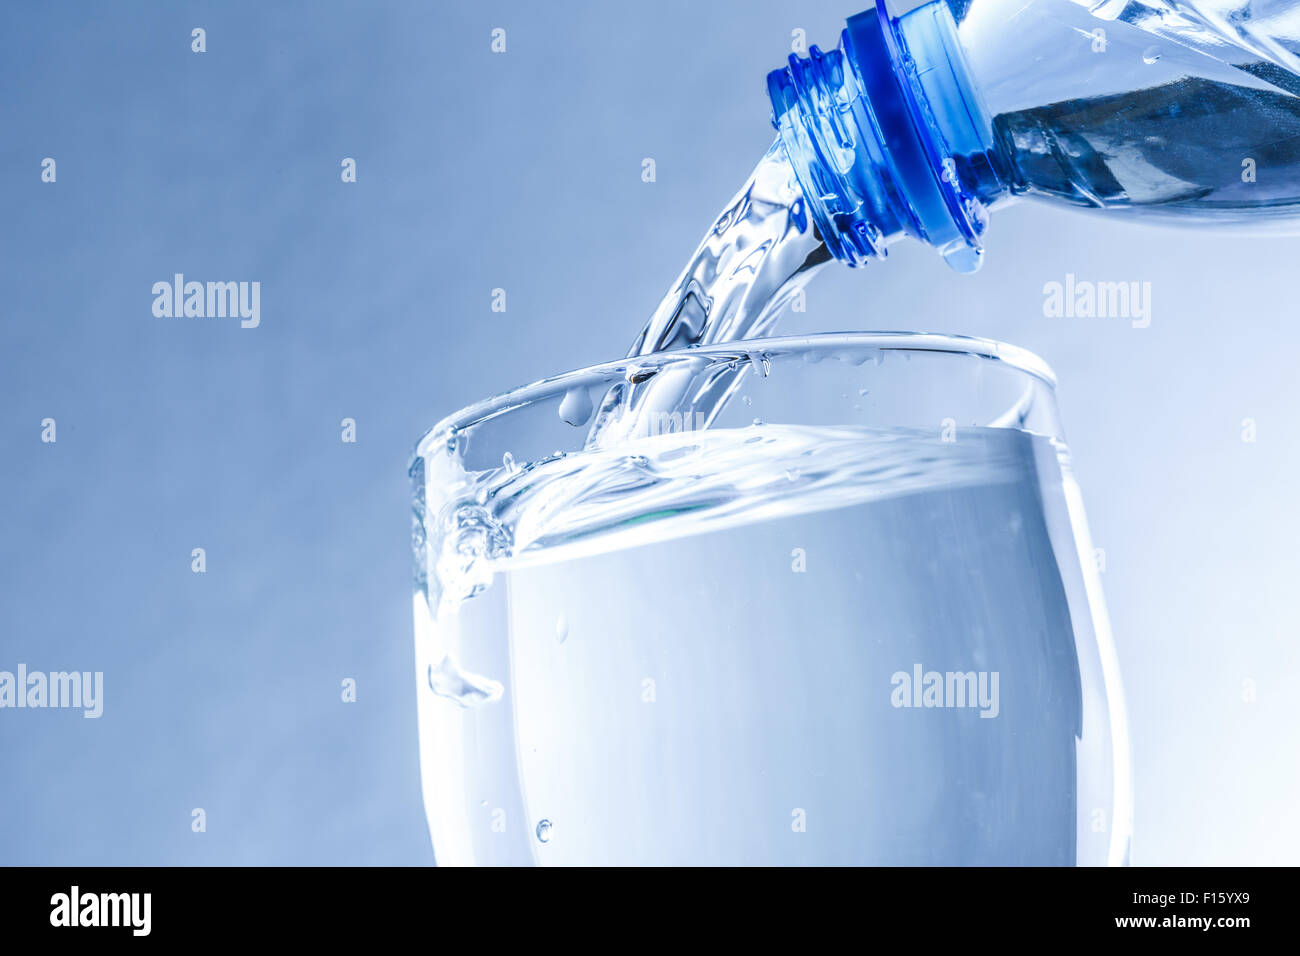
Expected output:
(1018, 358)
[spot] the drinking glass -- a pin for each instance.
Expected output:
(844, 611)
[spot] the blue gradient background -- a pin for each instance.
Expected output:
(520, 171)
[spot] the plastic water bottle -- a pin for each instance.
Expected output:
(920, 124)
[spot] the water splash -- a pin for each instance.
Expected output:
(690, 483)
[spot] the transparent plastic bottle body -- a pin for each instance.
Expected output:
(917, 125)
(1162, 108)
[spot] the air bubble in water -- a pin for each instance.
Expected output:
(561, 628)
(544, 828)
(1150, 55)
(576, 407)
(446, 679)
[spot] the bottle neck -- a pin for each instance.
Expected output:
(888, 139)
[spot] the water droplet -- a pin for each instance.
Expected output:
(747, 400)
(864, 391)
(792, 474)
(561, 628)
(758, 422)
(1150, 54)
(508, 462)
(854, 357)
(544, 828)
(575, 408)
